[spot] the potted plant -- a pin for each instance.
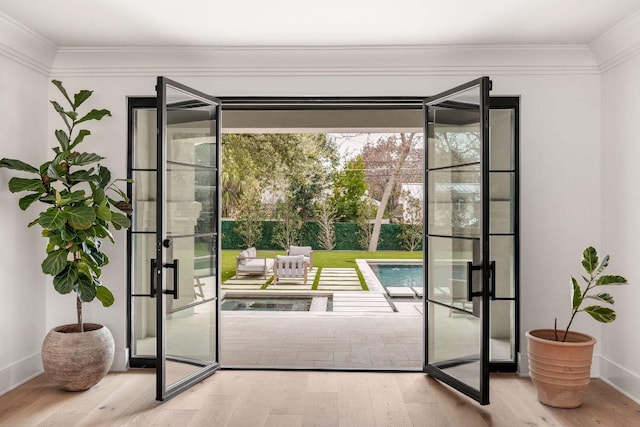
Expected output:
(78, 197)
(560, 361)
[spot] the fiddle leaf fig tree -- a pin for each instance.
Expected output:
(80, 202)
(594, 280)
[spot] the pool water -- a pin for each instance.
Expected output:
(266, 304)
(398, 275)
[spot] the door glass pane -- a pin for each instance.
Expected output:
(502, 331)
(454, 201)
(502, 202)
(144, 201)
(456, 328)
(144, 327)
(503, 253)
(502, 139)
(144, 138)
(190, 230)
(454, 343)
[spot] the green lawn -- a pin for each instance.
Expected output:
(320, 258)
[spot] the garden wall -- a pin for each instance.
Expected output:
(347, 236)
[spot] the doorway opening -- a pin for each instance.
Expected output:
(336, 328)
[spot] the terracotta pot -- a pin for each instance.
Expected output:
(560, 370)
(77, 361)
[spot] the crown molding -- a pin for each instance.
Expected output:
(251, 61)
(618, 44)
(25, 46)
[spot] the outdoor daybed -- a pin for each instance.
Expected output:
(248, 263)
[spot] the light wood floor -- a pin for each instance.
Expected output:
(279, 398)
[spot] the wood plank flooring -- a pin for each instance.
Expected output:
(305, 398)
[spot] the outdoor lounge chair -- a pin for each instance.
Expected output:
(248, 263)
(290, 267)
(305, 251)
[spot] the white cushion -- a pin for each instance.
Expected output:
(300, 250)
(252, 252)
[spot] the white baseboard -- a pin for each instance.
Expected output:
(20, 372)
(120, 360)
(623, 380)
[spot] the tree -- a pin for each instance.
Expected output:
(364, 224)
(349, 189)
(301, 163)
(411, 231)
(399, 148)
(379, 157)
(250, 218)
(287, 230)
(326, 216)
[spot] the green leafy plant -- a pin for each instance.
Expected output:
(594, 281)
(78, 196)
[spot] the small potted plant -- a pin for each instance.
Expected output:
(560, 360)
(80, 202)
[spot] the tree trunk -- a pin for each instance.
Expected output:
(405, 148)
(79, 311)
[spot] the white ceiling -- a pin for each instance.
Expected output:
(128, 23)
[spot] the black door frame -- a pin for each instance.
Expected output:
(321, 103)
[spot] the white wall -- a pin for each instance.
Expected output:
(562, 178)
(23, 105)
(620, 206)
(560, 128)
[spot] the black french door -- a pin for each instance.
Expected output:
(187, 245)
(457, 258)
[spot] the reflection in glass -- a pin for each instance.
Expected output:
(502, 138)
(145, 138)
(502, 252)
(502, 330)
(190, 226)
(454, 343)
(501, 202)
(454, 202)
(144, 327)
(144, 201)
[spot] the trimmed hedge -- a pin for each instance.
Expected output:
(347, 236)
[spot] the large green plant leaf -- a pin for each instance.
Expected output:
(604, 297)
(75, 197)
(83, 176)
(58, 84)
(611, 279)
(82, 133)
(25, 184)
(62, 113)
(82, 159)
(80, 97)
(28, 200)
(98, 194)
(94, 115)
(65, 281)
(103, 212)
(55, 262)
(85, 288)
(80, 217)
(17, 165)
(104, 296)
(105, 176)
(119, 221)
(52, 218)
(577, 294)
(590, 259)
(601, 314)
(63, 139)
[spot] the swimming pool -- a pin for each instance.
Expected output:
(266, 304)
(398, 275)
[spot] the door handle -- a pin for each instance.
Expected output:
(470, 269)
(174, 291)
(492, 272)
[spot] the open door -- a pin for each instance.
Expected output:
(184, 271)
(457, 259)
